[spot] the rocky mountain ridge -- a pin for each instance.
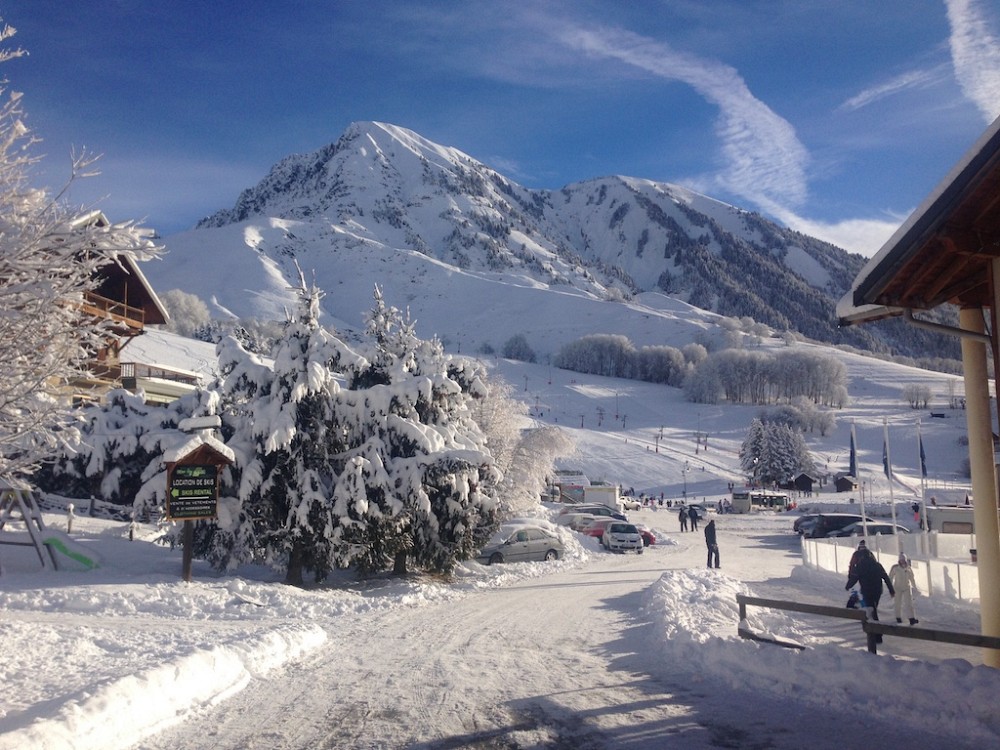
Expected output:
(385, 196)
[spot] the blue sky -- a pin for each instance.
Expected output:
(837, 118)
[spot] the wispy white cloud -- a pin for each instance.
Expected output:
(975, 53)
(181, 190)
(906, 81)
(863, 236)
(764, 160)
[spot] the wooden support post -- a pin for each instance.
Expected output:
(188, 555)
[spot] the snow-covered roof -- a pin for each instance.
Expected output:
(193, 443)
(170, 351)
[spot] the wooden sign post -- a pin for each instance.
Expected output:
(193, 483)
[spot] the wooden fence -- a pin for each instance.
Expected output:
(871, 628)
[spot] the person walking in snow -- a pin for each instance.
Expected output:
(869, 574)
(901, 575)
(693, 516)
(853, 564)
(712, 543)
(683, 517)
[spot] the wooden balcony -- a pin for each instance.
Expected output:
(133, 318)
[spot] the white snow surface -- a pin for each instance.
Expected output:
(594, 650)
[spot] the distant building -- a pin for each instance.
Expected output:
(804, 483)
(845, 483)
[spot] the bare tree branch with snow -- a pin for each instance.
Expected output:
(49, 257)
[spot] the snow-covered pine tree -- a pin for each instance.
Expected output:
(286, 438)
(751, 451)
(48, 260)
(427, 465)
(774, 452)
(782, 462)
(117, 454)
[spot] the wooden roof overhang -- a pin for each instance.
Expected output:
(122, 281)
(944, 251)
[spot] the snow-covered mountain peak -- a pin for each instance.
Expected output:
(432, 225)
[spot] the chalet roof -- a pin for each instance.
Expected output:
(942, 252)
(122, 280)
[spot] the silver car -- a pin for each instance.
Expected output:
(619, 537)
(523, 544)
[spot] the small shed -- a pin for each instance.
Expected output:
(804, 483)
(845, 483)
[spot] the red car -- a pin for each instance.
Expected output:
(597, 527)
(648, 537)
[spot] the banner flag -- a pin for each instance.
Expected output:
(853, 471)
(885, 452)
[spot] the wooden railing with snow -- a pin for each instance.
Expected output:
(871, 628)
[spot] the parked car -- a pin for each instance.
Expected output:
(807, 519)
(827, 522)
(648, 537)
(521, 544)
(594, 510)
(619, 537)
(874, 527)
(577, 521)
(596, 527)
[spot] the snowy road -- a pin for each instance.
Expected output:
(554, 662)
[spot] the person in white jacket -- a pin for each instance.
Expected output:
(901, 575)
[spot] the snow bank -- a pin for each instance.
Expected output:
(136, 706)
(695, 615)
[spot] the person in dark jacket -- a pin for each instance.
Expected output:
(693, 516)
(868, 573)
(683, 516)
(853, 564)
(711, 543)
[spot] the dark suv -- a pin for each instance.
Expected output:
(827, 522)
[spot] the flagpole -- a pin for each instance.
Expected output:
(923, 490)
(857, 478)
(887, 463)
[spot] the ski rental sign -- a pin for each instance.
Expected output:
(192, 492)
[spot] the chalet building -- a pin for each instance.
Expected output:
(124, 296)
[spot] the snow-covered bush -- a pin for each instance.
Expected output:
(188, 312)
(517, 347)
(117, 452)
